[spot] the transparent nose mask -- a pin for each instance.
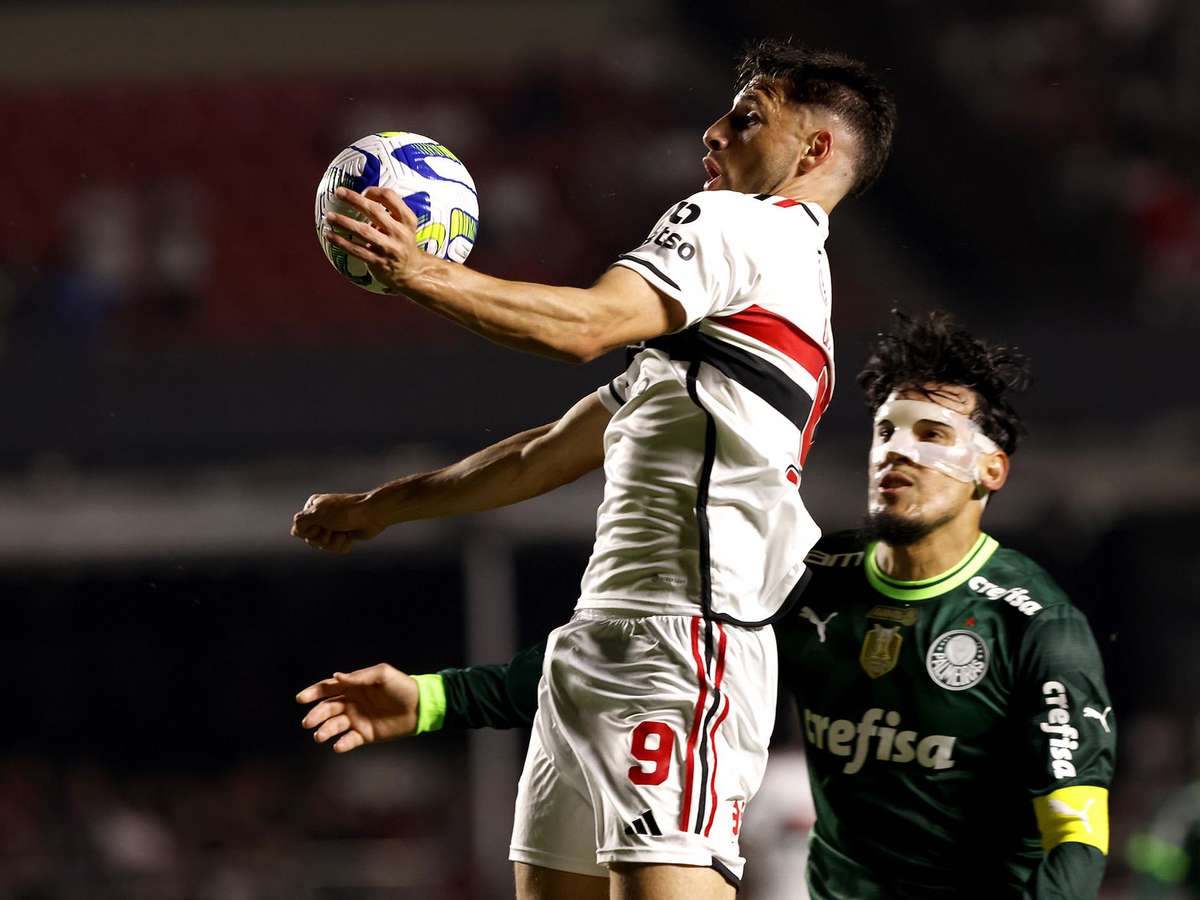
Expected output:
(959, 460)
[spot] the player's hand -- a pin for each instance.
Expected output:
(333, 522)
(368, 706)
(386, 241)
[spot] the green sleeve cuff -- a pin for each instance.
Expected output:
(431, 703)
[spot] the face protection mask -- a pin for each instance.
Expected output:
(959, 460)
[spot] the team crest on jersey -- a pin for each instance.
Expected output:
(880, 650)
(957, 660)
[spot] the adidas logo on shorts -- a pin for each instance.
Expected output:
(644, 824)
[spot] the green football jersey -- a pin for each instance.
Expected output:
(935, 714)
(958, 731)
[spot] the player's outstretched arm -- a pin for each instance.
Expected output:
(522, 466)
(573, 324)
(381, 703)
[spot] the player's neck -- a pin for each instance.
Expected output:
(808, 189)
(937, 552)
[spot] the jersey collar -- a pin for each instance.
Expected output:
(809, 210)
(927, 588)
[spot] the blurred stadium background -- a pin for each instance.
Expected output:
(181, 368)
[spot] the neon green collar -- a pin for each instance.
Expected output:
(927, 588)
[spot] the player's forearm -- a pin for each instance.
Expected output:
(1070, 871)
(500, 475)
(496, 696)
(517, 468)
(559, 322)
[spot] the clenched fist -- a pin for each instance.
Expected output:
(333, 522)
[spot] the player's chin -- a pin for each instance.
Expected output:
(897, 527)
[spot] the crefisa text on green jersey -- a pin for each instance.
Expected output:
(1017, 597)
(1058, 723)
(842, 737)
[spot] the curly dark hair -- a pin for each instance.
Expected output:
(937, 350)
(837, 82)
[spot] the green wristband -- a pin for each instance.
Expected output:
(431, 703)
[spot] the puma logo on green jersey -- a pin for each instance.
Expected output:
(842, 737)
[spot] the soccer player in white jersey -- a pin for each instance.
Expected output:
(658, 697)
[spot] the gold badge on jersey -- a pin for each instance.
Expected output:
(880, 650)
(897, 614)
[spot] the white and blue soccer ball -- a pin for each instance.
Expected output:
(433, 182)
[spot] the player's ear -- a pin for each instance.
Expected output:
(993, 470)
(818, 148)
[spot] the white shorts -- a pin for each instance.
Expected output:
(650, 739)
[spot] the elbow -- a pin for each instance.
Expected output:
(584, 345)
(593, 331)
(576, 349)
(581, 354)
(568, 353)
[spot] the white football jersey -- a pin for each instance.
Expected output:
(711, 425)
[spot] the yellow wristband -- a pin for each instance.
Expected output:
(431, 703)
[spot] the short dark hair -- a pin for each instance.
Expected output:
(837, 82)
(936, 349)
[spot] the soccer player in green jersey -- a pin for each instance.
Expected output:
(958, 730)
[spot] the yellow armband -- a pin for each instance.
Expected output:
(1078, 813)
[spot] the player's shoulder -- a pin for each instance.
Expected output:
(759, 225)
(729, 199)
(731, 203)
(711, 210)
(838, 550)
(1012, 579)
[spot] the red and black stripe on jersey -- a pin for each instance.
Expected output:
(763, 379)
(767, 381)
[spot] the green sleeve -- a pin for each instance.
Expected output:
(1063, 706)
(1069, 733)
(1070, 871)
(493, 696)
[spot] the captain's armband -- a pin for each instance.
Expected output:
(1078, 813)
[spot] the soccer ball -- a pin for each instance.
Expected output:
(433, 182)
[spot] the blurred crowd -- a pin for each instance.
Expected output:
(1104, 96)
(182, 215)
(189, 206)
(389, 822)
